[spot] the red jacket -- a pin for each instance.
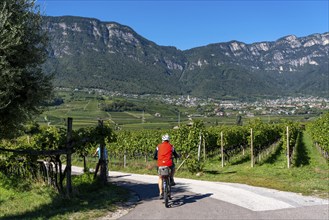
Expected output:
(165, 153)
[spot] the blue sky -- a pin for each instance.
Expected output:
(191, 23)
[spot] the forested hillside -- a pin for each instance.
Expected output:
(86, 52)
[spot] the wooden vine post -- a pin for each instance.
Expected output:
(199, 146)
(69, 158)
(251, 148)
(102, 160)
(204, 148)
(125, 160)
(288, 148)
(222, 147)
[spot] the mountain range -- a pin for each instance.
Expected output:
(89, 53)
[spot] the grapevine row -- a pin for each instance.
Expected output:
(187, 139)
(319, 131)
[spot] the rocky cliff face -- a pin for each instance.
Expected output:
(86, 52)
(288, 54)
(77, 35)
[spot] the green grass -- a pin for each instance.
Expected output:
(310, 177)
(85, 110)
(30, 200)
(139, 115)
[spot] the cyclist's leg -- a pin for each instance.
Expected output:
(160, 184)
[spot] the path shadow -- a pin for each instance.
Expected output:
(228, 172)
(120, 176)
(145, 191)
(216, 172)
(150, 192)
(185, 199)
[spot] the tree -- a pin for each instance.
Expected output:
(23, 85)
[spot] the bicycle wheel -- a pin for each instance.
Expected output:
(166, 191)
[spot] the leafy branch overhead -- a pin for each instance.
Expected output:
(24, 87)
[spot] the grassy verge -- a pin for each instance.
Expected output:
(31, 200)
(309, 174)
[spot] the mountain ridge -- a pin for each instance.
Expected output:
(86, 52)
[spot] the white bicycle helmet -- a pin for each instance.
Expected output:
(165, 137)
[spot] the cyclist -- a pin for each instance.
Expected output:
(164, 154)
(98, 152)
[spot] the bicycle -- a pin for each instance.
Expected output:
(165, 173)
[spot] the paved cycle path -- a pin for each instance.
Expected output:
(195, 199)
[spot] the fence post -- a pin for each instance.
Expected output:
(251, 148)
(68, 157)
(288, 148)
(124, 160)
(199, 147)
(222, 147)
(204, 149)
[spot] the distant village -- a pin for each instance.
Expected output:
(222, 108)
(282, 106)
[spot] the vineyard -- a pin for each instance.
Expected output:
(195, 143)
(285, 156)
(319, 131)
(50, 128)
